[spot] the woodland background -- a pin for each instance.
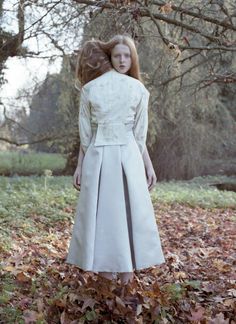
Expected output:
(187, 55)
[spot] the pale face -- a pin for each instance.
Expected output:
(121, 58)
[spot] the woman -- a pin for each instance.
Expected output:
(115, 228)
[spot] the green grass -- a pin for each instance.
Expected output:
(30, 163)
(27, 202)
(196, 192)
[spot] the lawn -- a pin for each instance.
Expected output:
(195, 285)
(27, 163)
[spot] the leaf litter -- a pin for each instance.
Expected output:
(195, 285)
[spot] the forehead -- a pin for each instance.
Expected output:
(120, 48)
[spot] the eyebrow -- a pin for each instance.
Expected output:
(126, 52)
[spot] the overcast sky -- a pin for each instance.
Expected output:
(23, 73)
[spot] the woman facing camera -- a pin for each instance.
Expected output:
(115, 229)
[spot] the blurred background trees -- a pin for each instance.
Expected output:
(187, 55)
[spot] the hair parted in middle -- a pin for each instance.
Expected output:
(134, 70)
(92, 62)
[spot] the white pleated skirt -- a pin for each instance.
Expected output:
(115, 228)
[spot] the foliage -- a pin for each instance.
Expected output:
(195, 285)
(54, 111)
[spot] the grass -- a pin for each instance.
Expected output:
(27, 202)
(30, 163)
(196, 192)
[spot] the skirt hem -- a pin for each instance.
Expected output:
(116, 270)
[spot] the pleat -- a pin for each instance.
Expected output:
(81, 249)
(129, 220)
(146, 240)
(111, 251)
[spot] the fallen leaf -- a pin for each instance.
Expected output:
(89, 302)
(23, 277)
(196, 315)
(30, 316)
(219, 319)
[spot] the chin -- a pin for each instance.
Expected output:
(122, 71)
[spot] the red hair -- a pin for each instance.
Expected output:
(134, 70)
(92, 62)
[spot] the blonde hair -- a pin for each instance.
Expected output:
(134, 70)
(92, 62)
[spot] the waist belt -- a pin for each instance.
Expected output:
(111, 133)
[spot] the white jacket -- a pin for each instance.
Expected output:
(108, 103)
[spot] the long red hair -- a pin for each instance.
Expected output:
(134, 70)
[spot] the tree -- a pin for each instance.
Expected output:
(187, 119)
(188, 60)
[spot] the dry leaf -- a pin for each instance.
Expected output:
(196, 315)
(23, 277)
(30, 316)
(165, 9)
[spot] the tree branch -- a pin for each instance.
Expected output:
(199, 15)
(39, 140)
(145, 12)
(16, 122)
(187, 71)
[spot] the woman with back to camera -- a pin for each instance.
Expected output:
(115, 229)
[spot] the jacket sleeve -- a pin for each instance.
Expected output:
(141, 121)
(85, 131)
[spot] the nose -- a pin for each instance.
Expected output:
(121, 59)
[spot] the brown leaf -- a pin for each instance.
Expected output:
(165, 9)
(73, 297)
(219, 319)
(89, 302)
(9, 268)
(119, 303)
(230, 303)
(23, 277)
(30, 316)
(196, 315)
(24, 303)
(180, 275)
(63, 319)
(40, 305)
(60, 303)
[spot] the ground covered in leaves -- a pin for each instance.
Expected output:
(195, 285)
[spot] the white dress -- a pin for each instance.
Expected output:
(115, 228)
